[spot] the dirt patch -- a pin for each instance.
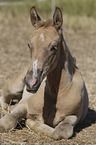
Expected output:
(14, 57)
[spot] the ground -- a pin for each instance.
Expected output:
(14, 57)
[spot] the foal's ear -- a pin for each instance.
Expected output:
(57, 18)
(34, 16)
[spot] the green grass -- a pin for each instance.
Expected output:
(69, 7)
(78, 7)
(78, 13)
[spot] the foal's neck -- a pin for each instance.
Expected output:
(53, 78)
(65, 65)
(53, 81)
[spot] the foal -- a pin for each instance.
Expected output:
(54, 95)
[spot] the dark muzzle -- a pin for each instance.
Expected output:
(33, 82)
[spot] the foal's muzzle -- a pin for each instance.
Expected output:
(32, 83)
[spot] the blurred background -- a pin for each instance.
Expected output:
(79, 28)
(78, 14)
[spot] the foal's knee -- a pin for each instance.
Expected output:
(10, 120)
(65, 128)
(7, 122)
(63, 131)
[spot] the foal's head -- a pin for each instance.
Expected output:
(44, 48)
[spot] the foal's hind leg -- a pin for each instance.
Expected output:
(65, 128)
(9, 121)
(12, 90)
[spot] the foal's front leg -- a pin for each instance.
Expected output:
(65, 128)
(10, 120)
(37, 126)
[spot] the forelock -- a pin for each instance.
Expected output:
(44, 23)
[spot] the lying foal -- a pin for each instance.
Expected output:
(54, 95)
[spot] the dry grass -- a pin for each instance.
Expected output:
(14, 56)
(80, 23)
